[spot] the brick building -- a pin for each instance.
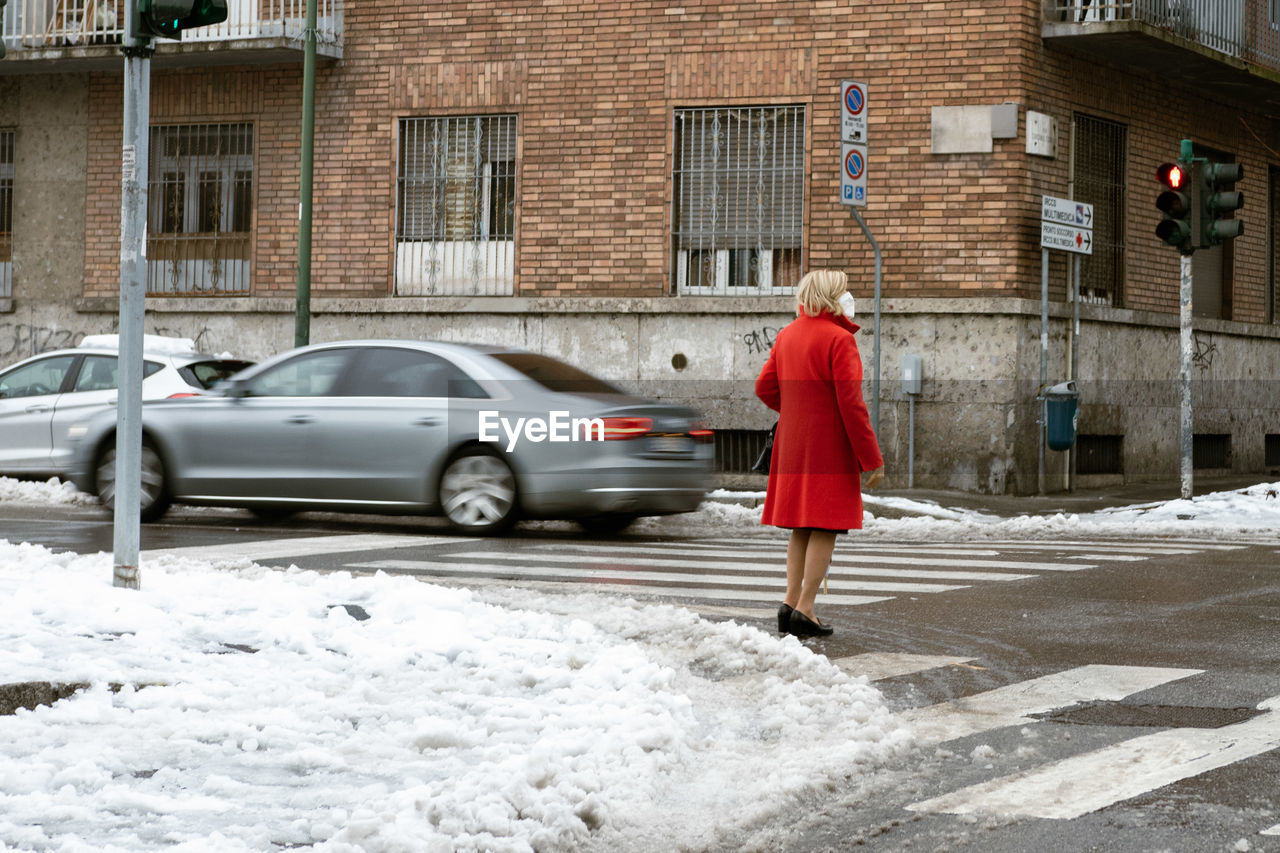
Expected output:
(637, 186)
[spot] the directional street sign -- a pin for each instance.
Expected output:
(1064, 211)
(1066, 238)
(853, 174)
(1066, 225)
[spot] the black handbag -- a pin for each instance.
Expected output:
(766, 455)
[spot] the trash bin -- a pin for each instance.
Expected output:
(1061, 411)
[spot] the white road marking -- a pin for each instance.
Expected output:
(846, 560)
(273, 549)
(878, 665)
(1011, 705)
(1275, 830)
(1085, 783)
(1118, 558)
(622, 555)
(611, 576)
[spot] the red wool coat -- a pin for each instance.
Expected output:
(813, 379)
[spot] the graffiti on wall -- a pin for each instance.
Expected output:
(20, 340)
(23, 340)
(760, 340)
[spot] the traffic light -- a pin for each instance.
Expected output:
(1180, 204)
(168, 18)
(1220, 201)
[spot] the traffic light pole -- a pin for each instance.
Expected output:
(1185, 419)
(133, 291)
(302, 311)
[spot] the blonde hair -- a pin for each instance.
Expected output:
(818, 292)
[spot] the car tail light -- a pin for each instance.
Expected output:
(701, 434)
(181, 394)
(624, 428)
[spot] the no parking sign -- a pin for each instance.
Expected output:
(853, 147)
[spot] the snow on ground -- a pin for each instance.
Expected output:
(1250, 512)
(52, 491)
(231, 707)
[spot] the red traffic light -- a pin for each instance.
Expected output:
(1171, 175)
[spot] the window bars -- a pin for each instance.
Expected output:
(6, 213)
(738, 200)
(456, 206)
(201, 209)
(1273, 247)
(1100, 150)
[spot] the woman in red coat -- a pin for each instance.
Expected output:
(823, 444)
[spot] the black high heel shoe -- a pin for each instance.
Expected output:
(802, 626)
(784, 616)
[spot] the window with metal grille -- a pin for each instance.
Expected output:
(738, 200)
(6, 213)
(1211, 450)
(456, 206)
(200, 197)
(736, 450)
(1099, 156)
(1273, 277)
(1099, 454)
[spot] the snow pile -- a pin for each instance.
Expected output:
(252, 709)
(51, 491)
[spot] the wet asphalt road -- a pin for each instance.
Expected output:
(1216, 612)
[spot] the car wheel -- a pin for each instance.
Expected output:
(478, 492)
(607, 524)
(154, 489)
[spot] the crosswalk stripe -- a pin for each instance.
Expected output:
(1180, 546)
(775, 569)
(561, 573)
(878, 665)
(839, 560)
(1085, 783)
(272, 549)
(1011, 705)
(432, 568)
(773, 546)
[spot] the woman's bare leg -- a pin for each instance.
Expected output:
(817, 556)
(796, 548)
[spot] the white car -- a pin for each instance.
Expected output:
(42, 397)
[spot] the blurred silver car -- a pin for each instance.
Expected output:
(43, 397)
(482, 435)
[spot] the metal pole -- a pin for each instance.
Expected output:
(1043, 416)
(1186, 420)
(133, 292)
(911, 441)
(1075, 358)
(302, 318)
(875, 347)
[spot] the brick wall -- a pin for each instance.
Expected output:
(594, 86)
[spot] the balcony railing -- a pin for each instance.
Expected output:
(1248, 30)
(41, 26)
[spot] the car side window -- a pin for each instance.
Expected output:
(392, 372)
(97, 373)
(40, 377)
(312, 374)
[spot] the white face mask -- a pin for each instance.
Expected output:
(846, 304)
